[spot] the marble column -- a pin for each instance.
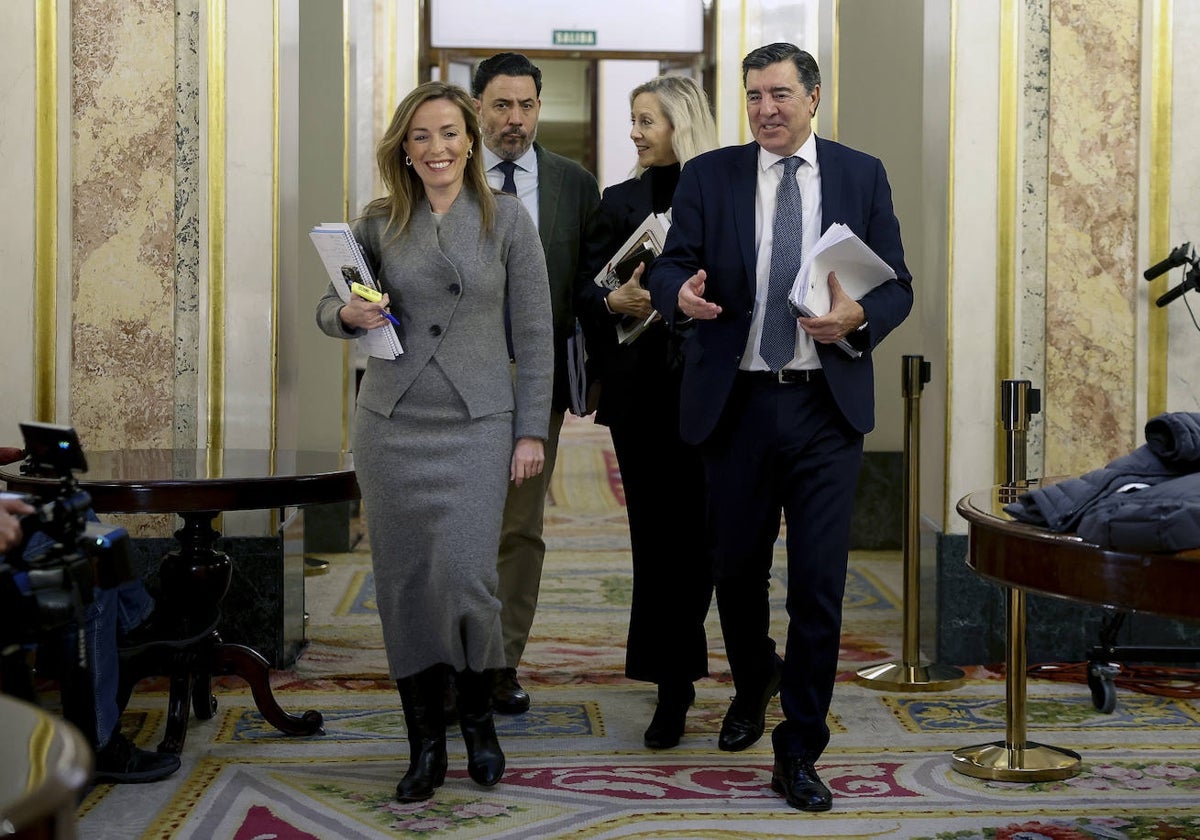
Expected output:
(1091, 233)
(123, 223)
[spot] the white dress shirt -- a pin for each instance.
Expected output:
(808, 177)
(525, 176)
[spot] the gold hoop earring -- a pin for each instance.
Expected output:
(407, 160)
(469, 153)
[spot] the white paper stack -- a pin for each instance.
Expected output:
(858, 270)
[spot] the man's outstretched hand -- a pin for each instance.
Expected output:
(691, 299)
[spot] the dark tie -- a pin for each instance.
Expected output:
(508, 167)
(777, 344)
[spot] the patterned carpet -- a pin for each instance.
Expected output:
(576, 766)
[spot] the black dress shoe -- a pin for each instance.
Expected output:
(666, 727)
(747, 717)
(120, 762)
(508, 698)
(797, 780)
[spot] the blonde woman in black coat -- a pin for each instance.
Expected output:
(639, 401)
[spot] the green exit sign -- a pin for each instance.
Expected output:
(574, 37)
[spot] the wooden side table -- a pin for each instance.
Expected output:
(1025, 558)
(198, 485)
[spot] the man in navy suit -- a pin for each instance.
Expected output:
(778, 409)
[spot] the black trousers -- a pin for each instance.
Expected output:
(663, 480)
(783, 449)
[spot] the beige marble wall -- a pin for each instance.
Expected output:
(187, 222)
(1091, 233)
(123, 222)
(1030, 281)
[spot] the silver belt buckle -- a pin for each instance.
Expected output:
(779, 376)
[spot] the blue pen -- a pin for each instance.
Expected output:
(391, 317)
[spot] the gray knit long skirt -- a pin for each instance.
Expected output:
(433, 483)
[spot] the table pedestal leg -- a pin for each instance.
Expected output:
(1016, 759)
(194, 580)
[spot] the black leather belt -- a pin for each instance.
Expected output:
(783, 377)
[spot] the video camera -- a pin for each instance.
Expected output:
(47, 582)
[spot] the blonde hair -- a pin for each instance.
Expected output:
(685, 106)
(404, 186)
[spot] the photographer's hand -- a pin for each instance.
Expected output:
(10, 525)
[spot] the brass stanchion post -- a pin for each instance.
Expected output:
(910, 672)
(1016, 759)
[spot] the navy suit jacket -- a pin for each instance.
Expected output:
(712, 228)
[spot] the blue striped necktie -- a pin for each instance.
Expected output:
(777, 343)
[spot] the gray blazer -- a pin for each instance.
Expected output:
(447, 288)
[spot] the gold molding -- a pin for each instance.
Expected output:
(347, 412)
(273, 421)
(45, 231)
(835, 72)
(947, 436)
(216, 223)
(1006, 206)
(1160, 203)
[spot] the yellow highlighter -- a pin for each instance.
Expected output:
(366, 292)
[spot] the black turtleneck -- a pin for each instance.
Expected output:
(663, 180)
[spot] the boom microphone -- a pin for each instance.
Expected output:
(1176, 258)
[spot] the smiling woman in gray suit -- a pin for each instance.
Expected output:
(440, 430)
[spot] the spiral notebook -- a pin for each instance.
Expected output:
(344, 261)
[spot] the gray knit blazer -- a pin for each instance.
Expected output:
(447, 285)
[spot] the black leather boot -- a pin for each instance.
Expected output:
(422, 696)
(450, 698)
(485, 759)
(666, 727)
